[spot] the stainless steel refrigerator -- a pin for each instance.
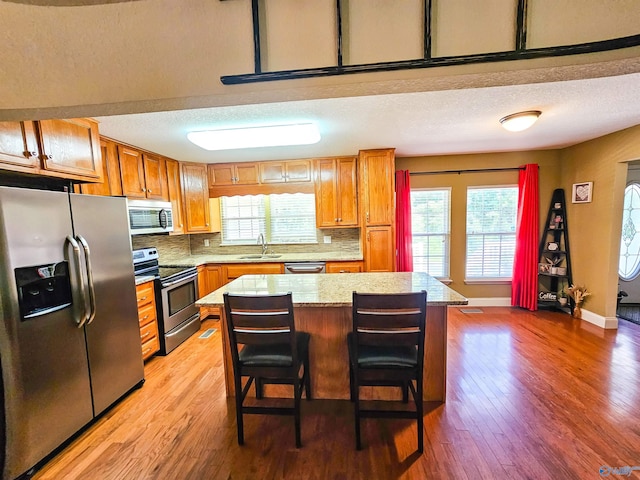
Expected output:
(69, 334)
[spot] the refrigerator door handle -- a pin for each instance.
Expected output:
(79, 279)
(92, 291)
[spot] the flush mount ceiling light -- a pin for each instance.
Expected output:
(516, 122)
(252, 137)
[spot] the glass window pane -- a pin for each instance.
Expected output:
(430, 225)
(629, 264)
(282, 218)
(491, 226)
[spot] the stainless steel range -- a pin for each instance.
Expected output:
(176, 294)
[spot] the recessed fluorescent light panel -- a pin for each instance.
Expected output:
(252, 137)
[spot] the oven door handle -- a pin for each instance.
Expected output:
(182, 280)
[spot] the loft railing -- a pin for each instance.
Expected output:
(520, 52)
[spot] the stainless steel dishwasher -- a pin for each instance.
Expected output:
(304, 267)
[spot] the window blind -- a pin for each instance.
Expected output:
(491, 226)
(243, 218)
(292, 218)
(282, 218)
(430, 229)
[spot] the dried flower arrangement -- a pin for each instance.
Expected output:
(578, 293)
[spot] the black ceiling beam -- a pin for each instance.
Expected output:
(590, 47)
(521, 26)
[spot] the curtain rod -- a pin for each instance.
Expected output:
(479, 170)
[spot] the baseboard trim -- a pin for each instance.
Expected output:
(599, 320)
(587, 316)
(490, 302)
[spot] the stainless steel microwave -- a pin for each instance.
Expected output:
(150, 216)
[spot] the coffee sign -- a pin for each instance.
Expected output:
(548, 296)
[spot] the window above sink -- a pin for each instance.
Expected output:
(283, 219)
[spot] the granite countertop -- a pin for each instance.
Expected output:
(144, 279)
(195, 260)
(335, 290)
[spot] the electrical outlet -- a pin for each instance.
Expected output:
(327, 239)
(206, 242)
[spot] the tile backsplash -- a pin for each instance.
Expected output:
(176, 246)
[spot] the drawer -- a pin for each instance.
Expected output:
(343, 267)
(150, 347)
(233, 271)
(144, 293)
(147, 314)
(148, 332)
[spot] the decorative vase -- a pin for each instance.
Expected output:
(577, 312)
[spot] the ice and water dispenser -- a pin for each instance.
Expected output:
(43, 289)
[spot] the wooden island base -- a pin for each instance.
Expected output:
(328, 327)
(322, 307)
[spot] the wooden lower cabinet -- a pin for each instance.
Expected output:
(344, 267)
(234, 270)
(147, 317)
(209, 279)
(379, 254)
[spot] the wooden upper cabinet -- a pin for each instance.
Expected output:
(175, 195)
(222, 174)
(54, 148)
(377, 185)
(285, 171)
(336, 192)
(144, 175)
(111, 184)
(196, 197)
(131, 172)
(155, 177)
(18, 146)
(71, 147)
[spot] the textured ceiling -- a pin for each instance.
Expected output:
(424, 123)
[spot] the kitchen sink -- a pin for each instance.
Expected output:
(270, 255)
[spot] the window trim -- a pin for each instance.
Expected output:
(445, 277)
(266, 220)
(488, 279)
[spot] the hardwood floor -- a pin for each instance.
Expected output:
(529, 395)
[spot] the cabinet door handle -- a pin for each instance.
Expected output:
(340, 219)
(47, 157)
(149, 190)
(367, 217)
(145, 335)
(29, 154)
(142, 298)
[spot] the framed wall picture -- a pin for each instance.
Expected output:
(582, 192)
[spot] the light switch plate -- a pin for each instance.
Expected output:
(206, 242)
(327, 239)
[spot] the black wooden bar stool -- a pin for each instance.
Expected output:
(386, 348)
(266, 348)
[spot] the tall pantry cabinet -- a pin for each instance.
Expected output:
(377, 198)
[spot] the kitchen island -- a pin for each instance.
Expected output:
(322, 305)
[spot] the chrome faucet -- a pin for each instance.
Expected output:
(262, 241)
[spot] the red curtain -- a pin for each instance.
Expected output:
(403, 222)
(524, 285)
